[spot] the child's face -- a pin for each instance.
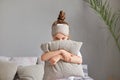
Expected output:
(60, 36)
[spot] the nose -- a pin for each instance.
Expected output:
(60, 39)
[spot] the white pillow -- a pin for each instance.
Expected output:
(24, 61)
(33, 72)
(4, 58)
(7, 70)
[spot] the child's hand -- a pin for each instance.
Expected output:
(66, 55)
(55, 59)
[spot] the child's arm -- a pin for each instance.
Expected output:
(65, 56)
(55, 59)
(76, 59)
(47, 55)
(55, 56)
(69, 57)
(73, 59)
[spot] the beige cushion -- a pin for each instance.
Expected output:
(7, 70)
(33, 72)
(24, 61)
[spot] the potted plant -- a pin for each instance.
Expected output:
(110, 18)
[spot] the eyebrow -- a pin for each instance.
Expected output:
(59, 38)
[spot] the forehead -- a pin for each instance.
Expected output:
(60, 34)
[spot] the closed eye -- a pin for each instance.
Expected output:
(63, 38)
(56, 38)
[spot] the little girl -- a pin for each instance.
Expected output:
(60, 31)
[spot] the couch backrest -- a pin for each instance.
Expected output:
(26, 61)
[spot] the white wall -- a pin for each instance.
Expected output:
(25, 24)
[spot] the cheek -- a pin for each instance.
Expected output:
(66, 38)
(53, 38)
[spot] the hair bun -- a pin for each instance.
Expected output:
(61, 17)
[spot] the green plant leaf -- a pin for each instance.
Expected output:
(109, 17)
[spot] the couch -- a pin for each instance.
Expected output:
(28, 68)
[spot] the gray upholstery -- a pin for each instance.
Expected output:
(7, 70)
